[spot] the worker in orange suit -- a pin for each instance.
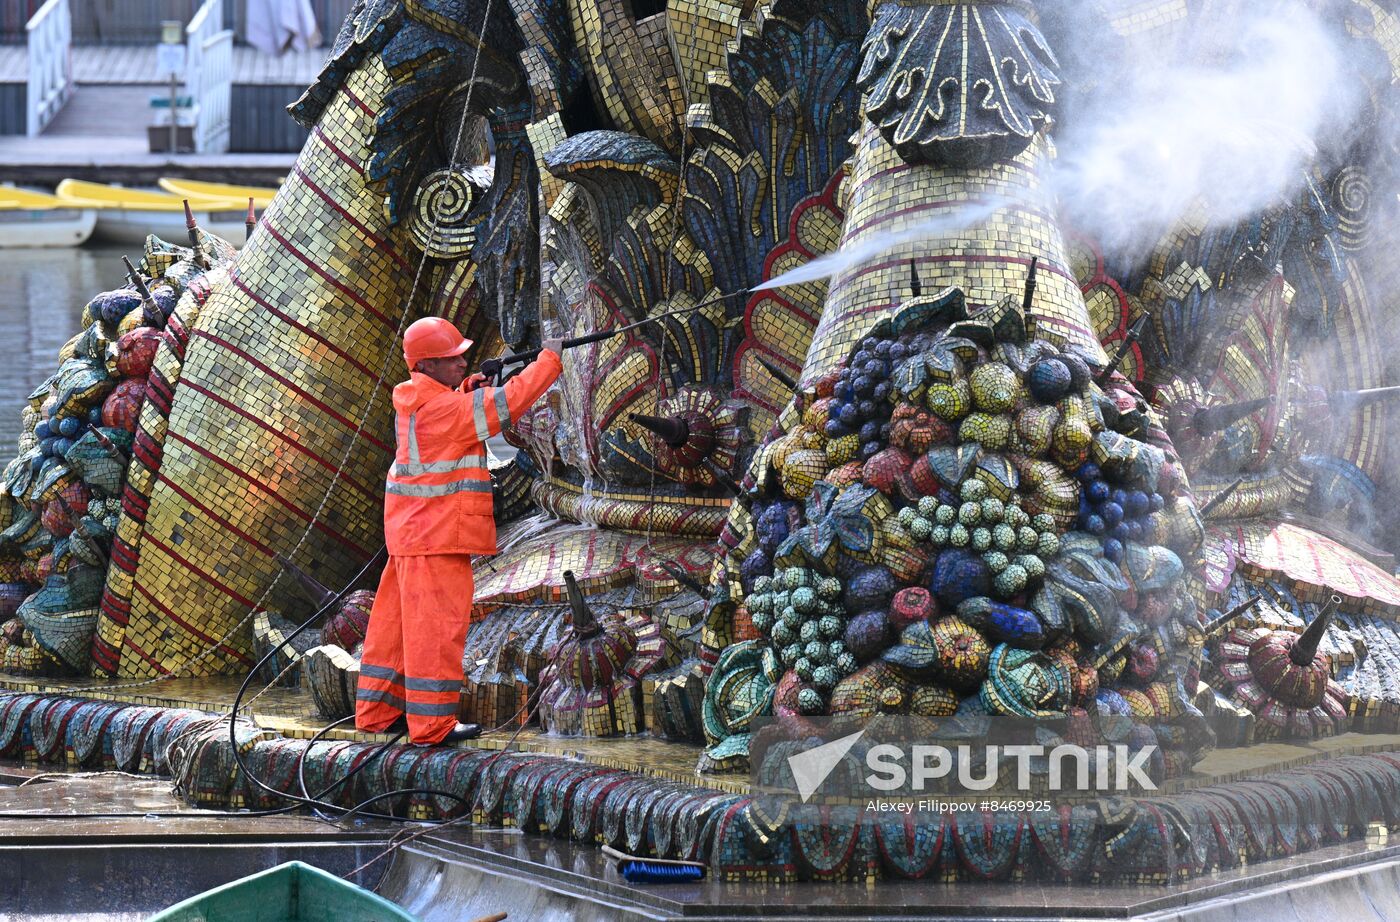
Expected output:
(437, 513)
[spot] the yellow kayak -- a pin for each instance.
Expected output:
(127, 215)
(198, 191)
(13, 198)
(31, 219)
(82, 194)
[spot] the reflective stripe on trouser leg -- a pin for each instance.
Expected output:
(379, 700)
(435, 596)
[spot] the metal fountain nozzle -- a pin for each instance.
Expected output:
(1214, 419)
(312, 588)
(585, 622)
(1304, 651)
(674, 432)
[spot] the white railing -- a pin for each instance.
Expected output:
(50, 40)
(209, 76)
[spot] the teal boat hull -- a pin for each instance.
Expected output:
(291, 892)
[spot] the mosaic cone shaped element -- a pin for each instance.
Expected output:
(278, 371)
(990, 223)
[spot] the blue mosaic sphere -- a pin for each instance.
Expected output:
(1049, 380)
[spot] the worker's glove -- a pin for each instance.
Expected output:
(475, 381)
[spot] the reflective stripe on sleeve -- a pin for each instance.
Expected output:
(502, 407)
(483, 431)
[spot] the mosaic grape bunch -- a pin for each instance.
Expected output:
(957, 517)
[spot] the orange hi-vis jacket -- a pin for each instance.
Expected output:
(437, 499)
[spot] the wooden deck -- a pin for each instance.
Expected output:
(135, 65)
(103, 127)
(101, 136)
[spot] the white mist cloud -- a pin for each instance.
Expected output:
(1230, 118)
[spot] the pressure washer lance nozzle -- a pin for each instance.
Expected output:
(1348, 400)
(152, 313)
(1214, 419)
(781, 376)
(317, 593)
(1134, 332)
(250, 221)
(491, 368)
(1304, 649)
(1219, 499)
(1212, 626)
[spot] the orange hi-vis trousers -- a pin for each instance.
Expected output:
(412, 662)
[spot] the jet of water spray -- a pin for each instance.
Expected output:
(861, 251)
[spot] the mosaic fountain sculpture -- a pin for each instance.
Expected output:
(924, 486)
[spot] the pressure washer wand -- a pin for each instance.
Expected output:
(1349, 400)
(491, 368)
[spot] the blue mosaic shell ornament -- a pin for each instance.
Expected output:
(1025, 683)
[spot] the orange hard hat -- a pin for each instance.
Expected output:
(432, 338)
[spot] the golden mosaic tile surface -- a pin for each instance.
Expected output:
(300, 336)
(989, 258)
(700, 29)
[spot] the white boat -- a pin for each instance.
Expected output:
(37, 219)
(126, 216)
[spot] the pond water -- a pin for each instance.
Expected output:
(42, 293)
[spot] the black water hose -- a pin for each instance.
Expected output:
(316, 802)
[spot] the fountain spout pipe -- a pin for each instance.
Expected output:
(1214, 419)
(1213, 626)
(1304, 651)
(674, 432)
(1219, 499)
(1134, 334)
(192, 230)
(250, 221)
(585, 622)
(153, 314)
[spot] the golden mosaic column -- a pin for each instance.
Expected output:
(279, 370)
(988, 259)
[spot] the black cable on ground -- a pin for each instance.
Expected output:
(305, 799)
